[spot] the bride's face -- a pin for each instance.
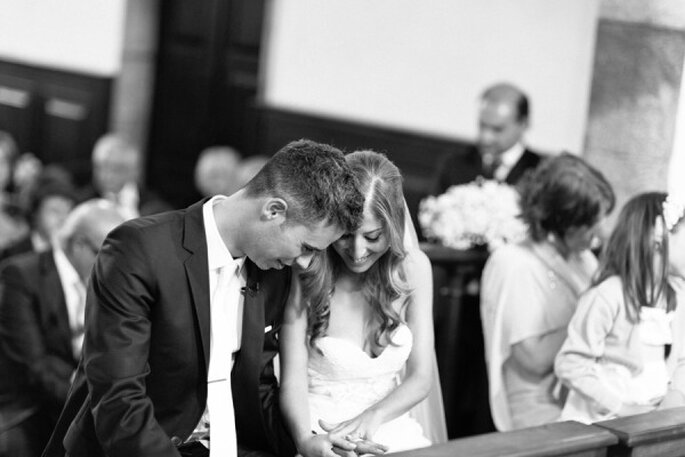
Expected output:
(361, 249)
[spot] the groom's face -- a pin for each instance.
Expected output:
(292, 244)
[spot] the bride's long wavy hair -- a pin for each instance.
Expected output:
(385, 282)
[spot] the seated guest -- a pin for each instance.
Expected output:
(12, 224)
(42, 302)
(117, 168)
(9, 151)
(26, 171)
(50, 199)
(529, 290)
(624, 351)
(216, 171)
(499, 152)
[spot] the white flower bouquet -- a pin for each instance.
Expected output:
(483, 212)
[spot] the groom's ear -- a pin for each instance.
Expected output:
(274, 209)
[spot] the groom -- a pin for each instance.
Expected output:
(165, 307)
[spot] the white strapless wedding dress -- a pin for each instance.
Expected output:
(344, 381)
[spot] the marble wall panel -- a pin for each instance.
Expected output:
(133, 88)
(660, 13)
(634, 103)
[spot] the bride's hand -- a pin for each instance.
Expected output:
(357, 432)
(316, 446)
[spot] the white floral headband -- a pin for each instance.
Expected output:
(674, 210)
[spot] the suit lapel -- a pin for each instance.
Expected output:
(527, 161)
(196, 267)
(52, 294)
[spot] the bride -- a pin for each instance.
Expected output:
(358, 319)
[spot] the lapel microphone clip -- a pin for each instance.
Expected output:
(250, 289)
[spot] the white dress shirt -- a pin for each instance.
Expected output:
(39, 243)
(508, 160)
(226, 311)
(127, 199)
(74, 296)
(218, 256)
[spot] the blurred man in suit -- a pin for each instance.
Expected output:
(117, 169)
(42, 303)
(184, 310)
(499, 152)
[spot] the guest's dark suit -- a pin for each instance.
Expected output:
(21, 246)
(36, 358)
(142, 385)
(463, 167)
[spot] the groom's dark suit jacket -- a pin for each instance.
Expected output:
(141, 386)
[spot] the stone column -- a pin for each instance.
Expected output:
(635, 92)
(133, 87)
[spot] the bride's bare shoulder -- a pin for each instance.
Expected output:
(417, 265)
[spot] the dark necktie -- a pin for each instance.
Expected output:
(490, 169)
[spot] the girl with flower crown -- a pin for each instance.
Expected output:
(625, 349)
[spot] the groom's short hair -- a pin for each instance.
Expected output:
(316, 182)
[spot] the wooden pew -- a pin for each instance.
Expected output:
(659, 433)
(556, 439)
